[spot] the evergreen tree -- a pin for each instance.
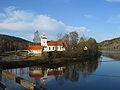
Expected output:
(36, 38)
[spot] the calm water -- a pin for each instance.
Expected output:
(101, 74)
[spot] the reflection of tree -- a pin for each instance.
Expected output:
(75, 73)
(0, 76)
(67, 72)
(71, 71)
(59, 79)
(85, 68)
(114, 55)
(37, 82)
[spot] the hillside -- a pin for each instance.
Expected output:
(113, 44)
(11, 43)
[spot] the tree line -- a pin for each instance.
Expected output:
(113, 44)
(76, 46)
(10, 43)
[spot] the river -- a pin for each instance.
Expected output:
(100, 74)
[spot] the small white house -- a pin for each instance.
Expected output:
(35, 50)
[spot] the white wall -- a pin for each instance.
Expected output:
(53, 48)
(43, 42)
(35, 52)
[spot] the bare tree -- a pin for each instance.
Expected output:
(73, 36)
(86, 46)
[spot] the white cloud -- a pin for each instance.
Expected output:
(78, 29)
(44, 22)
(113, 1)
(22, 20)
(88, 16)
(114, 19)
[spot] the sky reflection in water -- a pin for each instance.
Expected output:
(86, 75)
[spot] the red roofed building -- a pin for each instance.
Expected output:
(51, 45)
(54, 46)
(35, 50)
(46, 46)
(37, 72)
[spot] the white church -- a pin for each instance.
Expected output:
(45, 46)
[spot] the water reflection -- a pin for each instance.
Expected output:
(44, 73)
(77, 75)
(70, 71)
(84, 68)
(114, 55)
(42, 76)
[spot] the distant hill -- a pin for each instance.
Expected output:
(11, 43)
(113, 44)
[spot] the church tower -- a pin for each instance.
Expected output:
(43, 40)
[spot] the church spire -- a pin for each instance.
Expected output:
(43, 36)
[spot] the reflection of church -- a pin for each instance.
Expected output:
(37, 72)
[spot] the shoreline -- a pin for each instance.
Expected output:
(41, 62)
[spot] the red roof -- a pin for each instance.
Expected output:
(39, 75)
(54, 43)
(36, 75)
(35, 47)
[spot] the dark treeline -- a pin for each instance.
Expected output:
(75, 46)
(10, 43)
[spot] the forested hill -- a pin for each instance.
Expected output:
(11, 43)
(113, 44)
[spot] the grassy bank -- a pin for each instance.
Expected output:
(42, 62)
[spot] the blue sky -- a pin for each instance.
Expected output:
(99, 19)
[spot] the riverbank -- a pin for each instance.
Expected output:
(41, 62)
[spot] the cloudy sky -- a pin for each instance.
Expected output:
(99, 19)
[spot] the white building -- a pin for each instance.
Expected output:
(35, 50)
(46, 46)
(51, 45)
